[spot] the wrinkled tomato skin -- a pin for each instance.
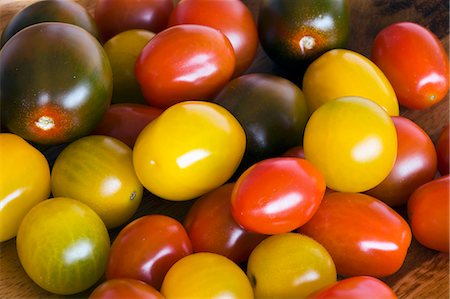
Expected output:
(126, 121)
(231, 17)
(414, 166)
(414, 61)
(125, 288)
(146, 248)
(442, 149)
(428, 214)
(363, 235)
(212, 228)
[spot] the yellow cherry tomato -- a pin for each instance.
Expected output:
(289, 265)
(353, 143)
(192, 148)
(24, 182)
(339, 73)
(206, 275)
(98, 170)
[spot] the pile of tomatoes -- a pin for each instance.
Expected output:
(291, 184)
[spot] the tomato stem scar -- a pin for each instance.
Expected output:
(45, 123)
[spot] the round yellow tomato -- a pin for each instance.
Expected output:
(353, 143)
(192, 148)
(339, 73)
(24, 182)
(98, 170)
(206, 275)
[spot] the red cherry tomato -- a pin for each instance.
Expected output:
(442, 149)
(363, 235)
(126, 121)
(184, 62)
(428, 214)
(231, 17)
(357, 287)
(415, 63)
(146, 248)
(414, 166)
(125, 288)
(212, 228)
(115, 16)
(277, 195)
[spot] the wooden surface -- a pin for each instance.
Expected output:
(424, 273)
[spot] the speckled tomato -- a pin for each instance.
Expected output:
(53, 94)
(442, 149)
(125, 288)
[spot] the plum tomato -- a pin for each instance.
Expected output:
(277, 195)
(231, 17)
(206, 275)
(341, 73)
(212, 228)
(428, 214)
(184, 62)
(115, 16)
(363, 235)
(414, 61)
(125, 288)
(146, 248)
(20, 188)
(126, 121)
(63, 245)
(63, 93)
(442, 150)
(289, 265)
(192, 148)
(357, 287)
(414, 166)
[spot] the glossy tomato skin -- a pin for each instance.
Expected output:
(126, 121)
(414, 166)
(212, 228)
(277, 195)
(363, 235)
(62, 95)
(355, 288)
(184, 62)
(63, 246)
(294, 33)
(146, 248)
(50, 11)
(231, 17)
(428, 214)
(115, 16)
(125, 288)
(414, 61)
(442, 150)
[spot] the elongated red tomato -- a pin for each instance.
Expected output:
(442, 150)
(277, 195)
(414, 61)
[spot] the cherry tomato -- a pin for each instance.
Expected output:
(20, 188)
(353, 143)
(206, 275)
(414, 166)
(126, 121)
(341, 73)
(146, 248)
(363, 235)
(277, 195)
(190, 149)
(428, 214)
(231, 17)
(442, 149)
(289, 265)
(295, 152)
(356, 288)
(125, 288)
(212, 228)
(63, 245)
(184, 62)
(414, 61)
(115, 16)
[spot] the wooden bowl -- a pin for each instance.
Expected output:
(424, 273)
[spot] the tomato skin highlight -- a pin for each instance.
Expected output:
(125, 288)
(415, 62)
